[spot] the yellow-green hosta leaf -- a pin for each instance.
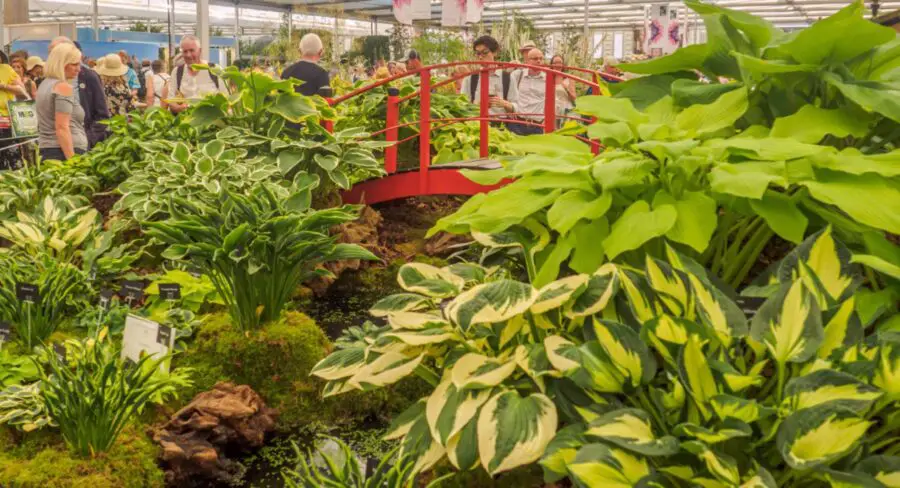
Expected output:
(561, 451)
(696, 376)
(610, 109)
(885, 469)
(638, 225)
(419, 445)
(672, 287)
(401, 302)
(722, 466)
(667, 334)
(631, 429)
(878, 264)
(415, 320)
(597, 371)
(386, 369)
(428, 280)
(781, 214)
(402, 423)
(731, 429)
(887, 365)
(717, 311)
(734, 379)
(597, 465)
(337, 387)
(625, 349)
(600, 288)
(449, 409)
(842, 329)
(513, 430)
(829, 387)
(426, 336)
(470, 272)
(762, 479)
(640, 298)
(697, 218)
(575, 205)
(562, 353)
(477, 371)
(557, 293)
(712, 117)
(462, 448)
(490, 303)
(732, 407)
(342, 363)
(819, 435)
(824, 266)
(852, 194)
(789, 324)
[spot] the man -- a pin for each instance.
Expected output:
(89, 93)
(130, 76)
(188, 84)
(532, 93)
(307, 69)
(517, 74)
(502, 91)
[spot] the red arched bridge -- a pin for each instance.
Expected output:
(446, 179)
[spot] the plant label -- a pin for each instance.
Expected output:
(92, 274)
(5, 332)
(27, 292)
(60, 351)
(164, 335)
(143, 336)
(750, 305)
(106, 298)
(170, 291)
(132, 291)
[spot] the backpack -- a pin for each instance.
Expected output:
(179, 75)
(142, 90)
(163, 76)
(473, 86)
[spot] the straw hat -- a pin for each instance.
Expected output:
(111, 65)
(529, 44)
(33, 61)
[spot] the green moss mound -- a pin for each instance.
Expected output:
(41, 460)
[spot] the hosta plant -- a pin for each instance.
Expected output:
(638, 376)
(15, 369)
(256, 248)
(24, 189)
(23, 407)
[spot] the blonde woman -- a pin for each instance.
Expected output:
(60, 117)
(119, 95)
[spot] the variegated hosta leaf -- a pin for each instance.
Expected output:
(885, 469)
(598, 465)
(730, 429)
(386, 369)
(829, 387)
(731, 407)
(842, 328)
(428, 280)
(819, 435)
(601, 287)
(718, 311)
(640, 298)
(722, 466)
(696, 376)
(462, 449)
(789, 324)
(402, 423)
(597, 371)
(449, 409)
(425, 336)
(490, 303)
(514, 431)
(631, 429)
(342, 363)
(624, 347)
(401, 302)
(562, 353)
(671, 286)
(533, 360)
(823, 264)
(470, 272)
(733, 379)
(842, 479)
(415, 320)
(477, 371)
(419, 445)
(557, 293)
(762, 479)
(887, 365)
(562, 451)
(667, 334)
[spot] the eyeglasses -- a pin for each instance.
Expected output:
(481, 53)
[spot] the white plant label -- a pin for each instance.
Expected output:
(147, 337)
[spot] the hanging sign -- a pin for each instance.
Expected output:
(144, 336)
(23, 118)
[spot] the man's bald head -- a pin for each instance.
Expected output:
(535, 56)
(57, 41)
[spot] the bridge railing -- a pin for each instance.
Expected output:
(484, 69)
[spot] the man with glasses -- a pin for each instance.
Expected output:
(532, 92)
(503, 93)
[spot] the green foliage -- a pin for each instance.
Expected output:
(440, 47)
(196, 292)
(376, 48)
(23, 407)
(93, 394)
(460, 142)
(15, 370)
(256, 248)
(24, 189)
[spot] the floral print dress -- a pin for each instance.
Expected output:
(118, 98)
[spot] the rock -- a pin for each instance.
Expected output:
(227, 419)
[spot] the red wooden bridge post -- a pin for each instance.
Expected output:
(595, 146)
(390, 135)
(550, 103)
(424, 129)
(484, 106)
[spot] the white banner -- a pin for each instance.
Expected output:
(453, 13)
(663, 30)
(403, 11)
(474, 9)
(421, 9)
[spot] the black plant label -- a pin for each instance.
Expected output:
(164, 335)
(5, 331)
(750, 305)
(27, 292)
(170, 291)
(106, 298)
(60, 351)
(132, 291)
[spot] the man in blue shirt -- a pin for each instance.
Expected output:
(131, 76)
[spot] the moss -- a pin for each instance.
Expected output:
(41, 459)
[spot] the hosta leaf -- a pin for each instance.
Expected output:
(513, 430)
(887, 370)
(471, 273)
(748, 180)
(623, 172)
(557, 293)
(562, 353)
(734, 379)
(387, 369)
(597, 371)
(449, 409)
(885, 469)
(490, 302)
(588, 236)
(722, 466)
(877, 264)
(696, 375)
(462, 449)
(689, 92)
(402, 423)
(609, 109)
(401, 302)
(697, 215)
(759, 31)
(732, 407)
(789, 324)
(415, 320)
(342, 363)
(842, 328)
(599, 289)
(419, 445)
(425, 336)
(428, 280)
(575, 205)
(712, 117)
(667, 334)
(598, 465)
(672, 287)
(688, 58)
(477, 371)
(782, 215)
(811, 124)
(631, 429)
(717, 311)
(729, 430)
(640, 298)
(762, 479)
(823, 264)
(625, 349)
(615, 134)
(818, 436)
(557, 144)
(829, 387)
(562, 451)
(852, 194)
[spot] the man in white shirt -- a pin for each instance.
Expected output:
(523, 55)
(532, 92)
(188, 84)
(503, 92)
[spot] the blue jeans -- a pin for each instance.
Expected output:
(56, 153)
(524, 130)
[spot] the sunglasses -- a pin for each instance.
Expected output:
(481, 53)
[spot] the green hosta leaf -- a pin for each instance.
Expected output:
(689, 58)
(722, 466)
(625, 349)
(342, 363)
(782, 215)
(557, 293)
(401, 302)
(402, 423)
(597, 465)
(887, 369)
(513, 430)
(759, 32)
(789, 324)
(641, 300)
(852, 161)
(599, 289)
(842, 329)
(715, 116)
(293, 107)
(429, 280)
(672, 287)
(811, 124)
(696, 375)
(731, 407)
(588, 236)
(749, 180)
(462, 449)
(853, 194)
(631, 429)
(818, 436)
(477, 371)
(551, 144)
(470, 272)
(596, 370)
(717, 311)
(490, 303)
(623, 172)
(667, 334)
(690, 92)
(328, 162)
(697, 217)
(827, 387)
(873, 97)
(575, 205)
(730, 430)
(877, 264)
(637, 225)
(562, 451)
(387, 369)
(885, 469)
(449, 409)
(609, 109)
(419, 445)
(822, 263)
(767, 149)
(734, 379)
(615, 134)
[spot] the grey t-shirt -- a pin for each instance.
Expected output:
(48, 104)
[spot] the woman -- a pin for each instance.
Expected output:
(119, 95)
(565, 90)
(11, 88)
(60, 117)
(34, 68)
(156, 80)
